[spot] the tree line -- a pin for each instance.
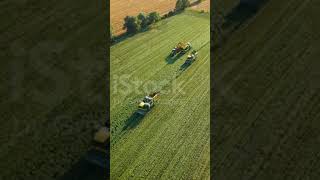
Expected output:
(134, 24)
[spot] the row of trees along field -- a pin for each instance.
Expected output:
(134, 24)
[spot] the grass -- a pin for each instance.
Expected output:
(267, 101)
(171, 141)
(53, 85)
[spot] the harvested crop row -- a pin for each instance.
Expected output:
(168, 141)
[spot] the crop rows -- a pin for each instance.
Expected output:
(171, 141)
(49, 107)
(268, 101)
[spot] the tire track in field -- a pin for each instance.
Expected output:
(168, 126)
(150, 125)
(184, 160)
(151, 54)
(148, 132)
(145, 37)
(195, 71)
(192, 77)
(154, 74)
(183, 128)
(161, 118)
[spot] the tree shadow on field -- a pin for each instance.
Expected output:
(172, 60)
(242, 12)
(195, 3)
(124, 36)
(133, 121)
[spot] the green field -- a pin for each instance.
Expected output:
(173, 140)
(267, 101)
(53, 90)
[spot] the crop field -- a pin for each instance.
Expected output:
(119, 9)
(53, 85)
(205, 6)
(173, 140)
(266, 120)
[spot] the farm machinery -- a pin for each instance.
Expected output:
(181, 48)
(99, 152)
(95, 162)
(147, 103)
(192, 57)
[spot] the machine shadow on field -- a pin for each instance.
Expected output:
(133, 121)
(84, 170)
(184, 66)
(172, 60)
(242, 12)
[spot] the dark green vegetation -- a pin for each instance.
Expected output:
(52, 85)
(266, 120)
(132, 24)
(172, 140)
(135, 24)
(143, 22)
(182, 4)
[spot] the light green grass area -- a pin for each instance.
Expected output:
(172, 141)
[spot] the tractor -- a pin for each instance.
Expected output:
(192, 57)
(147, 103)
(180, 48)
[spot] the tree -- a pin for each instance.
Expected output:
(182, 4)
(131, 24)
(153, 17)
(143, 20)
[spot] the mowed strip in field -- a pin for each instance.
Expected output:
(172, 141)
(267, 110)
(119, 9)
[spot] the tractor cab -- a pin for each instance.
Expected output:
(192, 57)
(180, 48)
(147, 103)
